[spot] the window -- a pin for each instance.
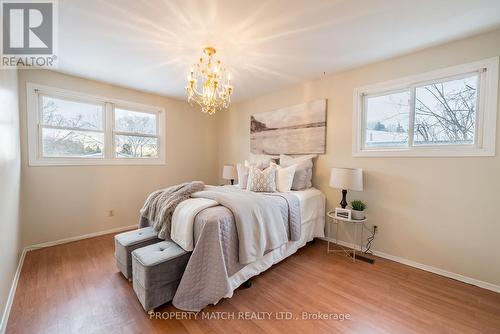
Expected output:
(136, 134)
(387, 118)
(445, 112)
(450, 112)
(71, 128)
(67, 128)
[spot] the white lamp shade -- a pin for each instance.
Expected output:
(347, 178)
(229, 172)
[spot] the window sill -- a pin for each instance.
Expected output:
(426, 152)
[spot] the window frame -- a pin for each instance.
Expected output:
(35, 92)
(41, 126)
(123, 133)
(486, 112)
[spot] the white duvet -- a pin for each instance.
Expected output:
(312, 207)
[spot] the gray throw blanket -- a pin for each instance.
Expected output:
(261, 225)
(160, 206)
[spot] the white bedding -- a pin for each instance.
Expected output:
(312, 206)
(181, 230)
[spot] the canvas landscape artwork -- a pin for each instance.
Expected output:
(299, 129)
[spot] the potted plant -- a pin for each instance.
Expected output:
(358, 210)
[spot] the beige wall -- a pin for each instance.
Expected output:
(62, 202)
(10, 181)
(441, 212)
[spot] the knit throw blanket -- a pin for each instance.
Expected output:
(160, 206)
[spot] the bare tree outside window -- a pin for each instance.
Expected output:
(445, 113)
(136, 134)
(76, 129)
(72, 129)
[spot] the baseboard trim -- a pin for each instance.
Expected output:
(80, 237)
(13, 288)
(12, 292)
(434, 270)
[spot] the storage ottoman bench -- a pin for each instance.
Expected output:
(127, 242)
(157, 271)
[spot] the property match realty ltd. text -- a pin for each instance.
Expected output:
(282, 315)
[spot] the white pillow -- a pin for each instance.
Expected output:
(284, 177)
(262, 180)
(242, 171)
(261, 160)
(303, 172)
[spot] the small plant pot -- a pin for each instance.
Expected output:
(358, 215)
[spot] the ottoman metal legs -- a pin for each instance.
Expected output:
(157, 270)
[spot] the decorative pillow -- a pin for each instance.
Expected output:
(303, 172)
(261, 160)
(242, 171)
(284, 177)
(262, 180)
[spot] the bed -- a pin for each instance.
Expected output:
(312, 208)
(214, 270)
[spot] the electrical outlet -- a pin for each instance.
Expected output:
(111, 213)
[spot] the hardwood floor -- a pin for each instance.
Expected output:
(76, 288)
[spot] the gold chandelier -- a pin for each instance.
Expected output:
(209, 84)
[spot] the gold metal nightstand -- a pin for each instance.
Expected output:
(359, 226)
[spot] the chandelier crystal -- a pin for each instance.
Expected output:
(209, 84)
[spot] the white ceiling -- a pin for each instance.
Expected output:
(267, 44)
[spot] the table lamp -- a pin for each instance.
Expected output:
(346, 179)
(229, 173)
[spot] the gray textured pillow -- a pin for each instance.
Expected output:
(261, 160)
(303, 172)
(262, 180)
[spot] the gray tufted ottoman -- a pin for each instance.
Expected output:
(157, 270)
(127, 242)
